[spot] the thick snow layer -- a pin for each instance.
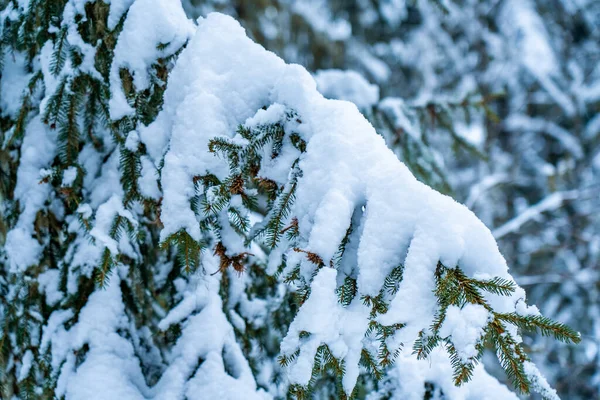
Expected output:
(110, 357)
(38, 150)
(347, 85)
(117, 9)
(148, 22)
(220, 79)
(341, 329)
(223, 79)
(206, 335)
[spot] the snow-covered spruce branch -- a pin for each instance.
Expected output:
(151, 130)
(345, 216)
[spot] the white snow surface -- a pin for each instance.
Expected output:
(111, 369)
(117, 9)
(148, 22)
(465, 327)
(39, 146)
(14, 81)
(221, 80)
(207, 335)
(347, 85)
(110, 356)
(406, 380)
(69, 176)
(342, 329)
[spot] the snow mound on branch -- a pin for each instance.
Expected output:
(220, 81)
(328, 322)
(408, 379)
(465, 325)
(148, 22)
(347, 85)
(207, 335)
(222, 78)
(39, 147)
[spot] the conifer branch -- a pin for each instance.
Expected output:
(188, 250)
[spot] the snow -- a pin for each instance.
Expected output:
(148, 180)
(25, 366)
(538, 382)
(108, 184)
(473, 133)
(48, 283)
(465, 328)
(376, 68)
(13, 83)
(526, 310)
(478, 190)
(394, 11)
(206, 335)
(148, 22)
(342, 330)
(566, 139)
(105, 216)
(531, 37)
(347, 85)
(203, 92)
(85, 210)
(317, 14)
(110, 356)
(223, 79)
(523, 25)
(38, 148)
(69, 176)
(72, 9)
(117, 9)
(406, 380)
(132, 142)
(592, 128)
(402, 116)
(271, 115)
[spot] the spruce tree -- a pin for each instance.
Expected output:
(518, 80)
(185, 216)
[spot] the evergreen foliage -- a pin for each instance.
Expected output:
(89, 286)
(533, 64)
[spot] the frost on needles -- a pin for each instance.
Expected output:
(172, 192)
